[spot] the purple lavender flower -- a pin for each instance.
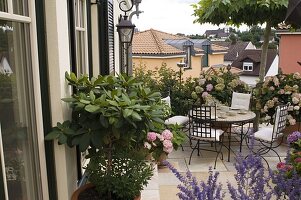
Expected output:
(293, 137)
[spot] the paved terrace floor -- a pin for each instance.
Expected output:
(164, 184)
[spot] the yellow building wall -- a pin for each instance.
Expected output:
(215, 59)
(156, 62)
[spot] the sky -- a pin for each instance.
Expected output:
(171, 16)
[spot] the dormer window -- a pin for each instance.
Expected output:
(248, 66)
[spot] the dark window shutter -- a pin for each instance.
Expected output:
(106, 37)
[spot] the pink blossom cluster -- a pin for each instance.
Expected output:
(284, 167)
(163, 140)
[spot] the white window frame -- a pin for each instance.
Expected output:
(248, 66)
(38, 126)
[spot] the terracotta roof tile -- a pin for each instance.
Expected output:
(152, 42)
(217, 48)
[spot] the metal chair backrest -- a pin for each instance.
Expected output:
(241, 100)
(280, 120)
(202, 119)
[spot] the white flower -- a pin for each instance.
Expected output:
(295, 100)
(296, 107)
(147, 145)
(292, 121)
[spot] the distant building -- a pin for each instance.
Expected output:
(290, 52)
(219, 34)
(249, 62)
(234, 50)
(152, 48)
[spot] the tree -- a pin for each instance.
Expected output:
(250, 12)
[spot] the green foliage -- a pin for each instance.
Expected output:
(110, 114)
(167, 81)
(238, 12)
(126, 179)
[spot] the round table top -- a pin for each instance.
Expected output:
(233, 116)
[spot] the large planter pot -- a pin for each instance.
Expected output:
(76, 195)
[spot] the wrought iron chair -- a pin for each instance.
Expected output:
(177, 119)
(202, 119)
(270, 137)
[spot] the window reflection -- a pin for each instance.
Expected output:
(3, 5)
(20, 7)
(16, 112)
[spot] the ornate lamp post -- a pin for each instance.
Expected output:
(181, 65)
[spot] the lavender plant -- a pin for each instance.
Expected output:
(190, 189)
(252, 182)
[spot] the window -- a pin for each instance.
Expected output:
(3, 5)
(188, 57)
(247, 66)
(17, 114)
(81, 37)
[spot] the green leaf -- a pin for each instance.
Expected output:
(113, 103)
(73, 77)
(53, 135)
(92, 96)
(116, 133)
(84, 101)
(136, 116)
(127, 112)
(62, 139)
(84, 142)
(69, 100)
(92, 108)
(104, 121)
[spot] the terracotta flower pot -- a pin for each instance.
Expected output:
(76, 193)
(162, 158)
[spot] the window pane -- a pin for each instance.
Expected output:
(20, 7)
(17, 114)
(80, 53)
(3, 5)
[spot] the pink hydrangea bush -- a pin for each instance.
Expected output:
(276, 90)
(159, 143)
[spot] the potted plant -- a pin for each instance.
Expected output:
(111, 118)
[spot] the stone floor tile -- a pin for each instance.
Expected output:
(168, 192)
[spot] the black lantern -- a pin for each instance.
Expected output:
(125, 29)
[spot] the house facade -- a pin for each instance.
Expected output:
(249, 63)
(234, 49)
(39, 41)
(153, 48)
(289, 52)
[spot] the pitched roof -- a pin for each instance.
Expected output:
(254, 55)
(214, 32)
(234, 50)
(218, 48)
(152, 42)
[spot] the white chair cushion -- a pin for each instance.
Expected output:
(204, 137)
(265, 134)
(241, 100)
(178, 119)
(167, 101)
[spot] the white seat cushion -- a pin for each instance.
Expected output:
(178, 119)
(214, 132)
(265, 134)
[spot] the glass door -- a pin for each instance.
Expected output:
(19, 156)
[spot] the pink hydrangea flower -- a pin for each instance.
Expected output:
(151, 136)
(167, 135)
(167, 144)
(205, 94)
(168, 150)
(209, 87)
(281, 91)
(280, 165)
(298, 160)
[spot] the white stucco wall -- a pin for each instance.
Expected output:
(59, 62)
(250, 80)
(274, 67)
